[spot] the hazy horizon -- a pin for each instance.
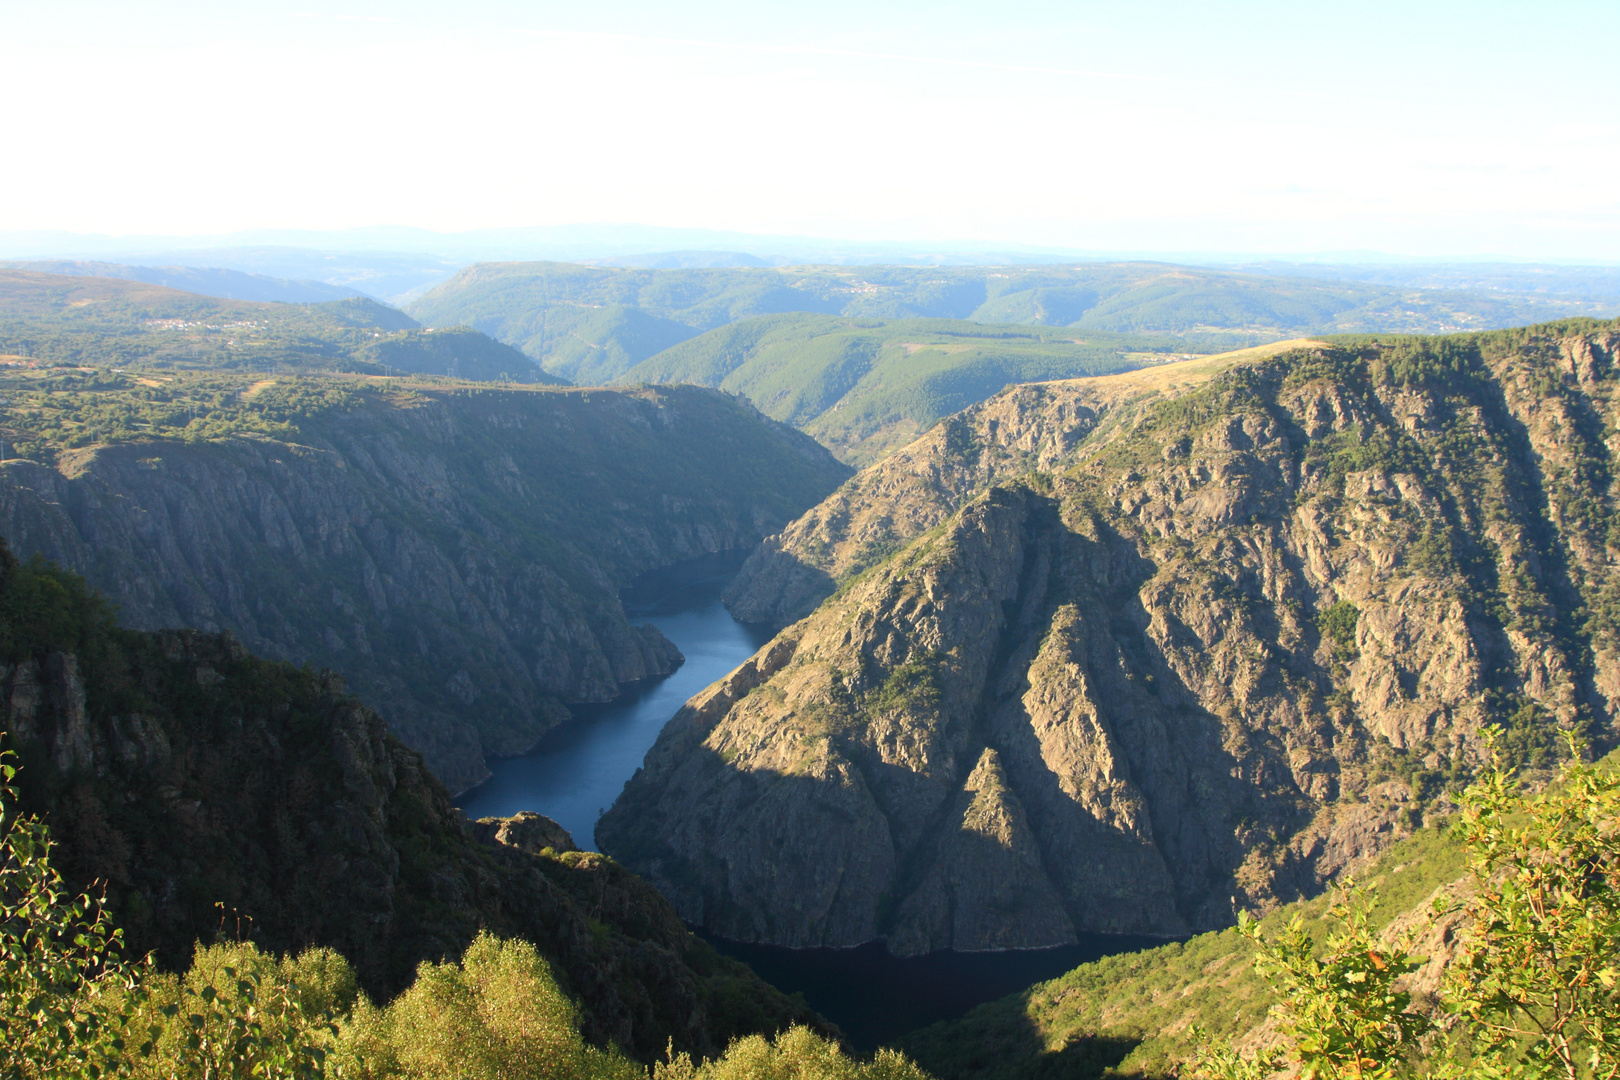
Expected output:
(601, 241)
(1449, 132)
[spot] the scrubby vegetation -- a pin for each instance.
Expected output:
(1138, 1014)
(47, 411)
(44, 411)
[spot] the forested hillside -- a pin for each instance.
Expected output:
(863, 386)
(1120, 654)
(454, 551)
(591, 324)
(458, 353)
(218, 796)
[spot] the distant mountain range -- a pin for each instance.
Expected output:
(397, 264)
(208, 281)
(866, 358)
(575, 319)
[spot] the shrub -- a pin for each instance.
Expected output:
(497, 1014)
(1338, 625)
(241, 1012)
(796, 1054)
(63, 984)
(1535, 981)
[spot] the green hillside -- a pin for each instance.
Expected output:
(55, 319)
(593, 323)
(458, 353)
(607, 341)
(864, 386)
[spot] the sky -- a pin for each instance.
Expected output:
(1449, 130)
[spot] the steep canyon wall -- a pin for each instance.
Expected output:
(455, 555)
(1118, 654)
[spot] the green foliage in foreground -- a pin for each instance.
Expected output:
(61, 976)
(1532, 990)
(796, 1054)
(72, 1006)
(1329, 1037)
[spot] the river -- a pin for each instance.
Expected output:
(578, 769)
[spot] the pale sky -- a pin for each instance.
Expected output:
(1426, 129)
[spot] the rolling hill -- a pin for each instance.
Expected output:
(575, 320)
(458, 353)
(209, 280)
(75, 319)
(864, 386)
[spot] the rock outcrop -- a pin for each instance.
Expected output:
(209, 792)
(525, 831)
(456, 556)
(1144, 647)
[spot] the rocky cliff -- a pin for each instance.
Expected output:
(213, 793)
(455, 554)
(1110, 655)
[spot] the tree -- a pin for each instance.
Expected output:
(64, 986)
(1342, 1012)
(1534, 982)
(796, 1054)
(1536, 977)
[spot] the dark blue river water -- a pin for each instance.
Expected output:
(577, 770)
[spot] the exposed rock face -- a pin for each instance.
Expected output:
(526, 831)
(181, 772)
(881, 509)
(1207, 644)
(457, 557)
